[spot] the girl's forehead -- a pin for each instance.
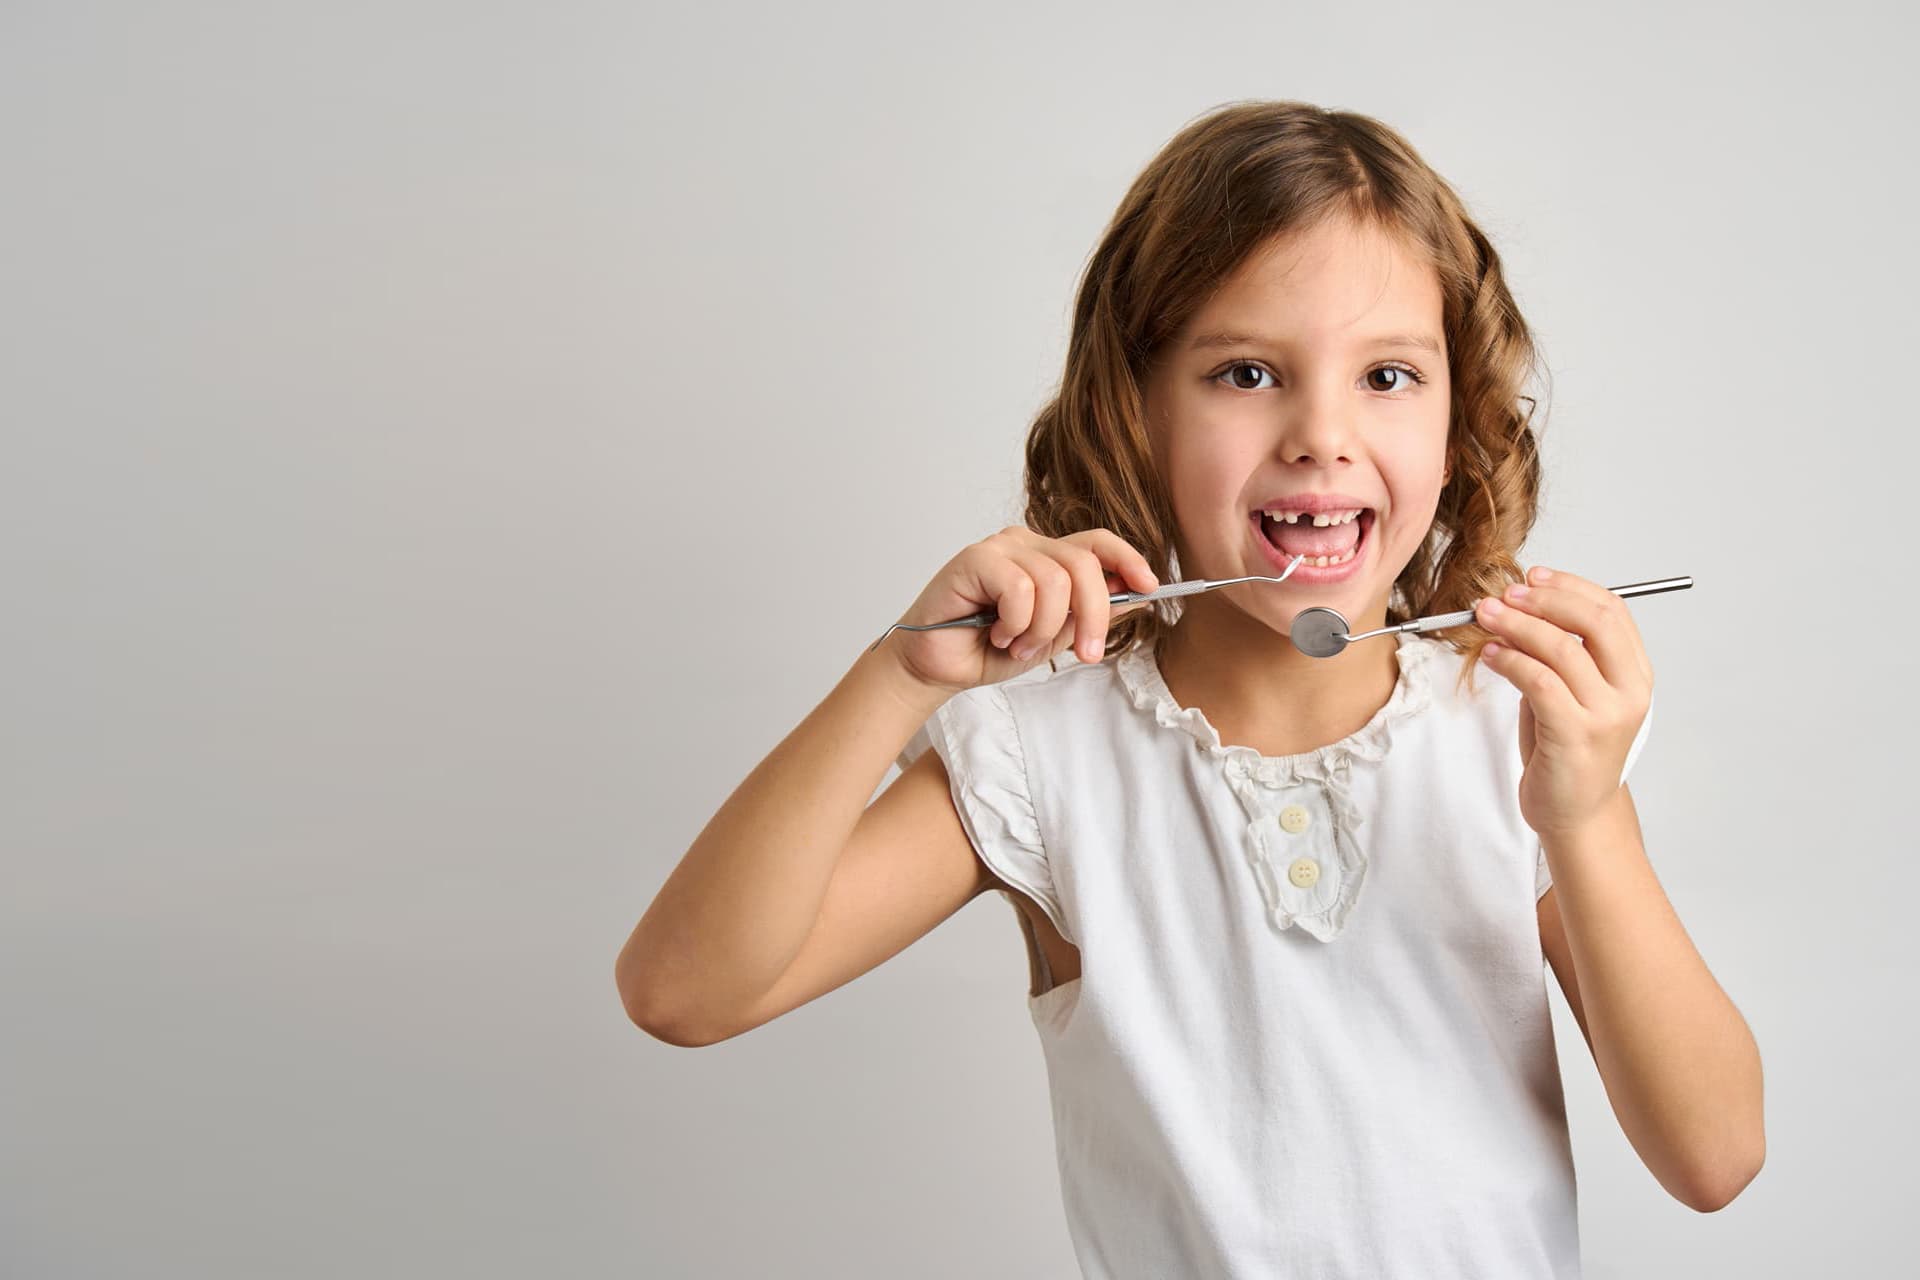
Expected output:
(1331, 263)
(1326, 294)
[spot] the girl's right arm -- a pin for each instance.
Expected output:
(797, 885)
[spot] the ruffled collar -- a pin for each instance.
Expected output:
(1139, 671)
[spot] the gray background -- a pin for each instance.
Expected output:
(448, 445)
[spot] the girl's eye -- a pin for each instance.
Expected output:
(1406, 372)
(1236, 384)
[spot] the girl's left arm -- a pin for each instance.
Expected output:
(1680, 1066)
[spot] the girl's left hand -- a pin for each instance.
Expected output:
(1581, 704)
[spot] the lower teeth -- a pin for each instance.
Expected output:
(1323, 562)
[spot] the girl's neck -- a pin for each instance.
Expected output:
(1258, 691)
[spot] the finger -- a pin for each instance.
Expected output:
(1558, 649)
(1117, 556)
(1127, 571)
(1091, 608)
(1063, 641)
(1542, 686)
(1052, 588)
(1588, 609)
(1120, 556)
(1005, 581)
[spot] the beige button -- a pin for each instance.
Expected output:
(1294, 819)
(1304, 872)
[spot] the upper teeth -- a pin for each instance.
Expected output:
(1320, 518)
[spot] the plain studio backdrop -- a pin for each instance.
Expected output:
(447, 446)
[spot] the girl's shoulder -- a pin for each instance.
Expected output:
(988, 715)
(1478, 704)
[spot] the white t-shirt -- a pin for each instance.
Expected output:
(1311, 1034)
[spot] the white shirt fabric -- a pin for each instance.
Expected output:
(1311, 1035)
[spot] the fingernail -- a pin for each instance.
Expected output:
(1516, 592)
(1026, 651)
(1490, 606)
(1539, 573)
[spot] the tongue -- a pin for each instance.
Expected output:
(1303, 539)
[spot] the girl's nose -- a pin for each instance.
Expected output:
(1320, 416)
(1317, 433)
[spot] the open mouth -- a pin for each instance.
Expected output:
(1327, 546)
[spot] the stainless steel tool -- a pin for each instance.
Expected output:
(1317, 631)
(1320, 632)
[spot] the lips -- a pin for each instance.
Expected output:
(1312, 503)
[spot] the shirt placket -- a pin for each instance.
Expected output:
(1300, 842)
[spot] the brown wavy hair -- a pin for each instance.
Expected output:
(1222, 187)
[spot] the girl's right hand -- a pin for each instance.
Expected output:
(1034, 582)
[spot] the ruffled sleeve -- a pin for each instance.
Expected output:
(1542, 878)
(977, 738)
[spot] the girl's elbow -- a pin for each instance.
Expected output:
(1715, 1188)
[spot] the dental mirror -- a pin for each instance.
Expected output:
(1320, 632)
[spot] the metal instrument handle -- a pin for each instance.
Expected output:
(1440, 621)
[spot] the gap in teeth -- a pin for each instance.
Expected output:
(1320, 520)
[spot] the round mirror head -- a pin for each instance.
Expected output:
(1319, 632)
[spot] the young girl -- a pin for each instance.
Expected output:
(1285, 916)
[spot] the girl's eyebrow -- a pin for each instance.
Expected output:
(1419, 341)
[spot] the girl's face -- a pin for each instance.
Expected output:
(1318, 368)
